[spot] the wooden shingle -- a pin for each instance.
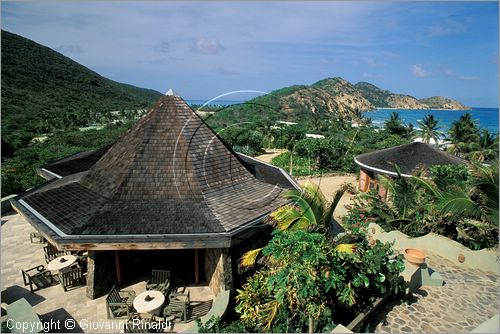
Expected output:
(169, 174)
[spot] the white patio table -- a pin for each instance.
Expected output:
(149, 301)
(61, 262)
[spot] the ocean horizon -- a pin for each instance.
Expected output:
(485, 117)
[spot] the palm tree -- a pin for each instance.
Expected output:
(486, 148)
(394, 117)
(462, 134)
(309, 210)
(429, 129)
(478, 201)
(394, 125)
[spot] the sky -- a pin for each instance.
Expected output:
(205, 49)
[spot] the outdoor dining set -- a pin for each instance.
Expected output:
(161, 301)
(67, 268)
(149, 306)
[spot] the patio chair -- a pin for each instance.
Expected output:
(51, 253)
(178, 306)
(138, 323)
(159, 281)
(36, 238)
(38, 276)
(71, 277)
(81, 259)
(119, 303)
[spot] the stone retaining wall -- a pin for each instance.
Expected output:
(484, 259)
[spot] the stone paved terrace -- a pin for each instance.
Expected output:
(468, 298)
(52, 302)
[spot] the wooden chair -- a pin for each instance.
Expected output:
(51, 253)
(119, 303)
(37, 276)
(36, 238)
(178, 306)
(159, 281)
(71, 277)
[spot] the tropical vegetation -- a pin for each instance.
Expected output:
(468, 141)
(19, 171)
(43, 91)
(429, 130)
(454, 201)
(309, 279)
(310, 284)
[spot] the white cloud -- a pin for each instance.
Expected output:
(468, 78)
(163, 47)
(371, 76)
(451, 73)
(447, 27)
(419, 71)
(370, 61)
(389, 54)
(208, 46)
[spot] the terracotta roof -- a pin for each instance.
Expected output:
(408, 157)
(170, 175)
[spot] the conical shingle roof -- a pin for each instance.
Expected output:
(408, 157)
(170, 175)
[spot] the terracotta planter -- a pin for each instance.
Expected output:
(415, 256)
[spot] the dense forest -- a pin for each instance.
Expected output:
(42, 91)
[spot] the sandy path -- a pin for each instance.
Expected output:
(270, 154)
(329, 185)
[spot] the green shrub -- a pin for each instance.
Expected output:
(300, 166)
(446, 176)
(19, 172)
(308, 279)
(216, 325)
(5, 328)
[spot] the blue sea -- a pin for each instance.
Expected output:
(485, 117)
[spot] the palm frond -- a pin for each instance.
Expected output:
(288, 215)
(270, 309)
(426, 184)
(328, 215)
(387, 183)
(250, 258)
(304, 206)
(310, 194)
(345, 248)
(459, 204)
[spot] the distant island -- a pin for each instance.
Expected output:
(337, 95)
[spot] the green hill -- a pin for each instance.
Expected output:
(40, 84)
(297, 103)
(378, 97)
(443, 103)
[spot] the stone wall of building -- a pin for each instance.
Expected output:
(218, 269)
(101, 273)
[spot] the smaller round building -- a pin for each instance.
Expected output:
(409, 158)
